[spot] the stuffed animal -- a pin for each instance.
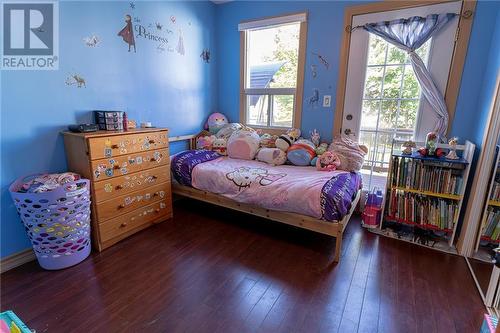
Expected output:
(215, 122)
(220, 146)
(328, 162)
(321, 149)
(301, 152)
(243, 144)
(273, 156)
(228, 129)
(350, 153)
(284, 141)
(205, 142)
(315, 137)
(268, 141)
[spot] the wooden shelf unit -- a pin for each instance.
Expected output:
(495, 204)
(462, 167)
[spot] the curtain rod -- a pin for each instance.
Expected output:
(466, 15)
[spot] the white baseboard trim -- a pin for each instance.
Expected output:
(16, 259)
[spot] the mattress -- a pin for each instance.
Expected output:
(303, 190)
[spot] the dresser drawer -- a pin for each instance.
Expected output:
(123, 165)
(113, 187)
(117, 145)
(132, 220)
(128, 202)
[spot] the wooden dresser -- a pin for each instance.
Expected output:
(130, 174)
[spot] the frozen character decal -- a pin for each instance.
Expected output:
(244, 176)
(127, 33)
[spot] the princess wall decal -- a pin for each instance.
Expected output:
(127, 33)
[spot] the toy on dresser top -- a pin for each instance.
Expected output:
(242, 142)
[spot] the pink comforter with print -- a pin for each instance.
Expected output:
(302, 190)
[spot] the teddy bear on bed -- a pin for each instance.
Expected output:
(328, 161)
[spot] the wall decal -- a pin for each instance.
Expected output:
(132, 5)
(76, 79)
(314, 71)
(92, 41)
(205, 55)
(172, 19)
(158, 26)
(314, 99)
(180, 44)
(160, 48)
(322, 60)
(137, 20)
(127, 34)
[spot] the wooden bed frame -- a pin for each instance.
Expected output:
(334, 228)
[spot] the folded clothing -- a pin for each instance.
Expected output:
(47, 182)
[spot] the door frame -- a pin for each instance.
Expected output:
(457, 62)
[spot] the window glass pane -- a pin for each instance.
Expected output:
(373, 81)
(383, 149)
(369, 114)
(388, 115)
(392, 81)
(257, 110)
(408, 114)
(282, 110)
(376, 51)
(411, 87)
(272, 57)
(396, 55)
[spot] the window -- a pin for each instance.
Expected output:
(272, 69)
(378, 97)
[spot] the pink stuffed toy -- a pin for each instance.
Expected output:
(328, 161)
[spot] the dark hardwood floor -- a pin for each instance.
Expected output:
(211, 269)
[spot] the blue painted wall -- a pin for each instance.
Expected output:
(163, 87)
(325, 28)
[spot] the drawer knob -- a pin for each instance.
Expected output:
(157, 210)
(119, 187)
(121, 206)
(116, 167)
(155, 194)
(114, 146)
(153, 159)
(154, 177)
(123, 225)
(151, 141)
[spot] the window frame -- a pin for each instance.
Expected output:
(457, 61)
(298, 92)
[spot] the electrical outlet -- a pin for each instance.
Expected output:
(327, 101)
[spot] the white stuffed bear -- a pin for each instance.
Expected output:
(273, 156)
(284, 141)
(220, 146)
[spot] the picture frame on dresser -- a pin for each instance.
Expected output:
(130, 179)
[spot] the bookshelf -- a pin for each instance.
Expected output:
(489, 233)
(424, 196)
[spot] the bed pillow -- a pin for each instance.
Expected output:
(273, 156)
(350, 153)
(243, 144)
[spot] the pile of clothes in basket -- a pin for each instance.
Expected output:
(48, 182)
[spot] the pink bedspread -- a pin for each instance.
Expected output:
(284, 188)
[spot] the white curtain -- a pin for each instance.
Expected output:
(408, 35)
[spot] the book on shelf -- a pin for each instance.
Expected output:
(495, 191)
(491, 227)
(424, 176)
(426, 212)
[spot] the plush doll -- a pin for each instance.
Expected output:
(350, 153)
(220, 146)
(328, 162)
(320, 150)
(243, 144)
(273, 156)
(301, 152)
(228, 129)
(284, 141)
(205, 142)
(215, 122)
(268, 141)
(315, 137)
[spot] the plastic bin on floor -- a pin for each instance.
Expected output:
(57, 222)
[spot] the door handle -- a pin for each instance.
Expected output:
(347, 131)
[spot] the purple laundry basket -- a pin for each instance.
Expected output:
(57, 222)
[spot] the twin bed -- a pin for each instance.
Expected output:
(301, 196)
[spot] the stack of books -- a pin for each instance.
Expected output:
(495, 191)
(491, 227)
(426, 176)
(422, 211)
